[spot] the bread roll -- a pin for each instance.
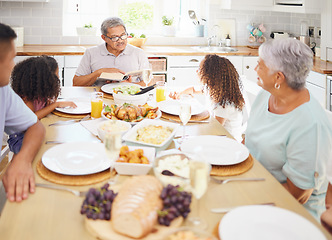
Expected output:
(134, 210)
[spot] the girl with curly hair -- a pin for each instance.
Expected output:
(222, 82)
(36, 81)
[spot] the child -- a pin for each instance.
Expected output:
(36, 81)
(222, 82)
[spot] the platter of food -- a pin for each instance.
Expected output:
(124, 87)
(130, 112)
(151, 133)
(138, 209)
(76, 158)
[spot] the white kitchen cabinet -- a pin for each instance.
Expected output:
(247, 5)
(249, 64)
(70, 65)
(326, 38)
(316, 83)
(297, 6)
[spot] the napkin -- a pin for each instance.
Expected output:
(92, 125)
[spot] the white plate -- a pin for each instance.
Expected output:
(108, 88)
(171, 106)
(133, 123)
(83, 106)
(266, 222)
(218, 150)
(76, 158)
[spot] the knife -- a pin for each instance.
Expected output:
(70, 121)
(225, 210)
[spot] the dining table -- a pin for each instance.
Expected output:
(53, 215)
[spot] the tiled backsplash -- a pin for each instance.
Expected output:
(42, 23)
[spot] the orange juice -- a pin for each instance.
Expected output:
(96, 108)
(160, 94)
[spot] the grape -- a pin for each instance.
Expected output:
(98, 203)
(176, 202)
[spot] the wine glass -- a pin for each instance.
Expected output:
(147, 75)
(185, 112)
(199, 178)
(113, 143)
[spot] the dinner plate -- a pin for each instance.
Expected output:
(76, 158)
(133, 123)
(266, 222)
(172, 106)
(83, 106)
(108, 88)
(217, 150)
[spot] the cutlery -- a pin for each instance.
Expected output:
(54, 142)
(224, 181)
(147, 89)
(75, 192)
(70, 121)
(227, 209)
(169, 173)
(192, 15)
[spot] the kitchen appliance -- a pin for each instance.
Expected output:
(278, 35)
(289, 2)
(304, 37)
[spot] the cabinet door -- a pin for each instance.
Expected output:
(68, 75)
(181, 78)
(250, 5)
(316, 83)
(249, 64)
(318, 93)
(326, 41)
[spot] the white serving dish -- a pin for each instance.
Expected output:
(130, 136)
(108, 124)
(136, 168)
(140, 99)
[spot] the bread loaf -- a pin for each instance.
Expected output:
(134, 210)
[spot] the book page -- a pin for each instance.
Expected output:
(112, 76)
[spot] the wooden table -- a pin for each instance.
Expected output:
(50, 214)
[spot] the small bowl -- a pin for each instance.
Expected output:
(140, 99)
(193, 233)
(136, 168)
(177, 167)
(112, 126)
(137, 42)
(130, 136)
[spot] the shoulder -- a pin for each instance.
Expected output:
(96, 49)
(130, 49)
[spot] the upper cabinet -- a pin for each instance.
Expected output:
(326, 38)
(296, 6)
(24, 0)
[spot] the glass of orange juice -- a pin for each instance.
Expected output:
(96, 104)
(160, 91)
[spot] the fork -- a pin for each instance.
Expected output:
(70, 121)
(75, 192)
(224, 181)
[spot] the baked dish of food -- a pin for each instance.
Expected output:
(130, 112)
(153, 134)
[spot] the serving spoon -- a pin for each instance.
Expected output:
(171, 174)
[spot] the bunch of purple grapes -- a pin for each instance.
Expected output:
(98, 203)
(176, 203)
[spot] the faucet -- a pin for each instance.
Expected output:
(210, 40)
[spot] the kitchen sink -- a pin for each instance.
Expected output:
(215, 49)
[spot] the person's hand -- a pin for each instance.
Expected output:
(326, 218)
(128, 80)
(112, 70)
(19, 180)
(174, 95)
(63, 104)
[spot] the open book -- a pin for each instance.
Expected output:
(120, 77)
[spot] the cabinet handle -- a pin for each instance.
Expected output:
(193, 60)
(247, 67)
(173, 78)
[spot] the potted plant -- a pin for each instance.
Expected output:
(86, 30)
(169, 29)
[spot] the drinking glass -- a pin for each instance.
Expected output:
(185, 112)
(147, 75)
(199, 178)
(113, 143)
(96, 104)
(160, 91)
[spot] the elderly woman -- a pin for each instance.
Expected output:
(288, 130)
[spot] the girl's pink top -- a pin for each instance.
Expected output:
(37, 104)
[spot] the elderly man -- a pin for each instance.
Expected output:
(113, 56)
(15, 116)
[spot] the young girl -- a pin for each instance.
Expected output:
(36, 81)
(222, 82)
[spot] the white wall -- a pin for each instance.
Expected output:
(42, 23)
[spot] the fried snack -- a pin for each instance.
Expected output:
(135, 156)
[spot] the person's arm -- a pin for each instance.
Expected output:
(221, 120)
(49, 108)
(328, 199)
(19, 177)
(89, 79)
(301, 195)
(190, 91)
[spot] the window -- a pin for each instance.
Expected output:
(140, 16)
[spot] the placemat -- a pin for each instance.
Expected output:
(198, 117)
(215, 231)
(231, 170)
(107, 95)
(67, 115)
(72, 180)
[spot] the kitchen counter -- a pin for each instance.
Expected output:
(320, 66)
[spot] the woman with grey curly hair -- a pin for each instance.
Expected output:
(288, 130)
